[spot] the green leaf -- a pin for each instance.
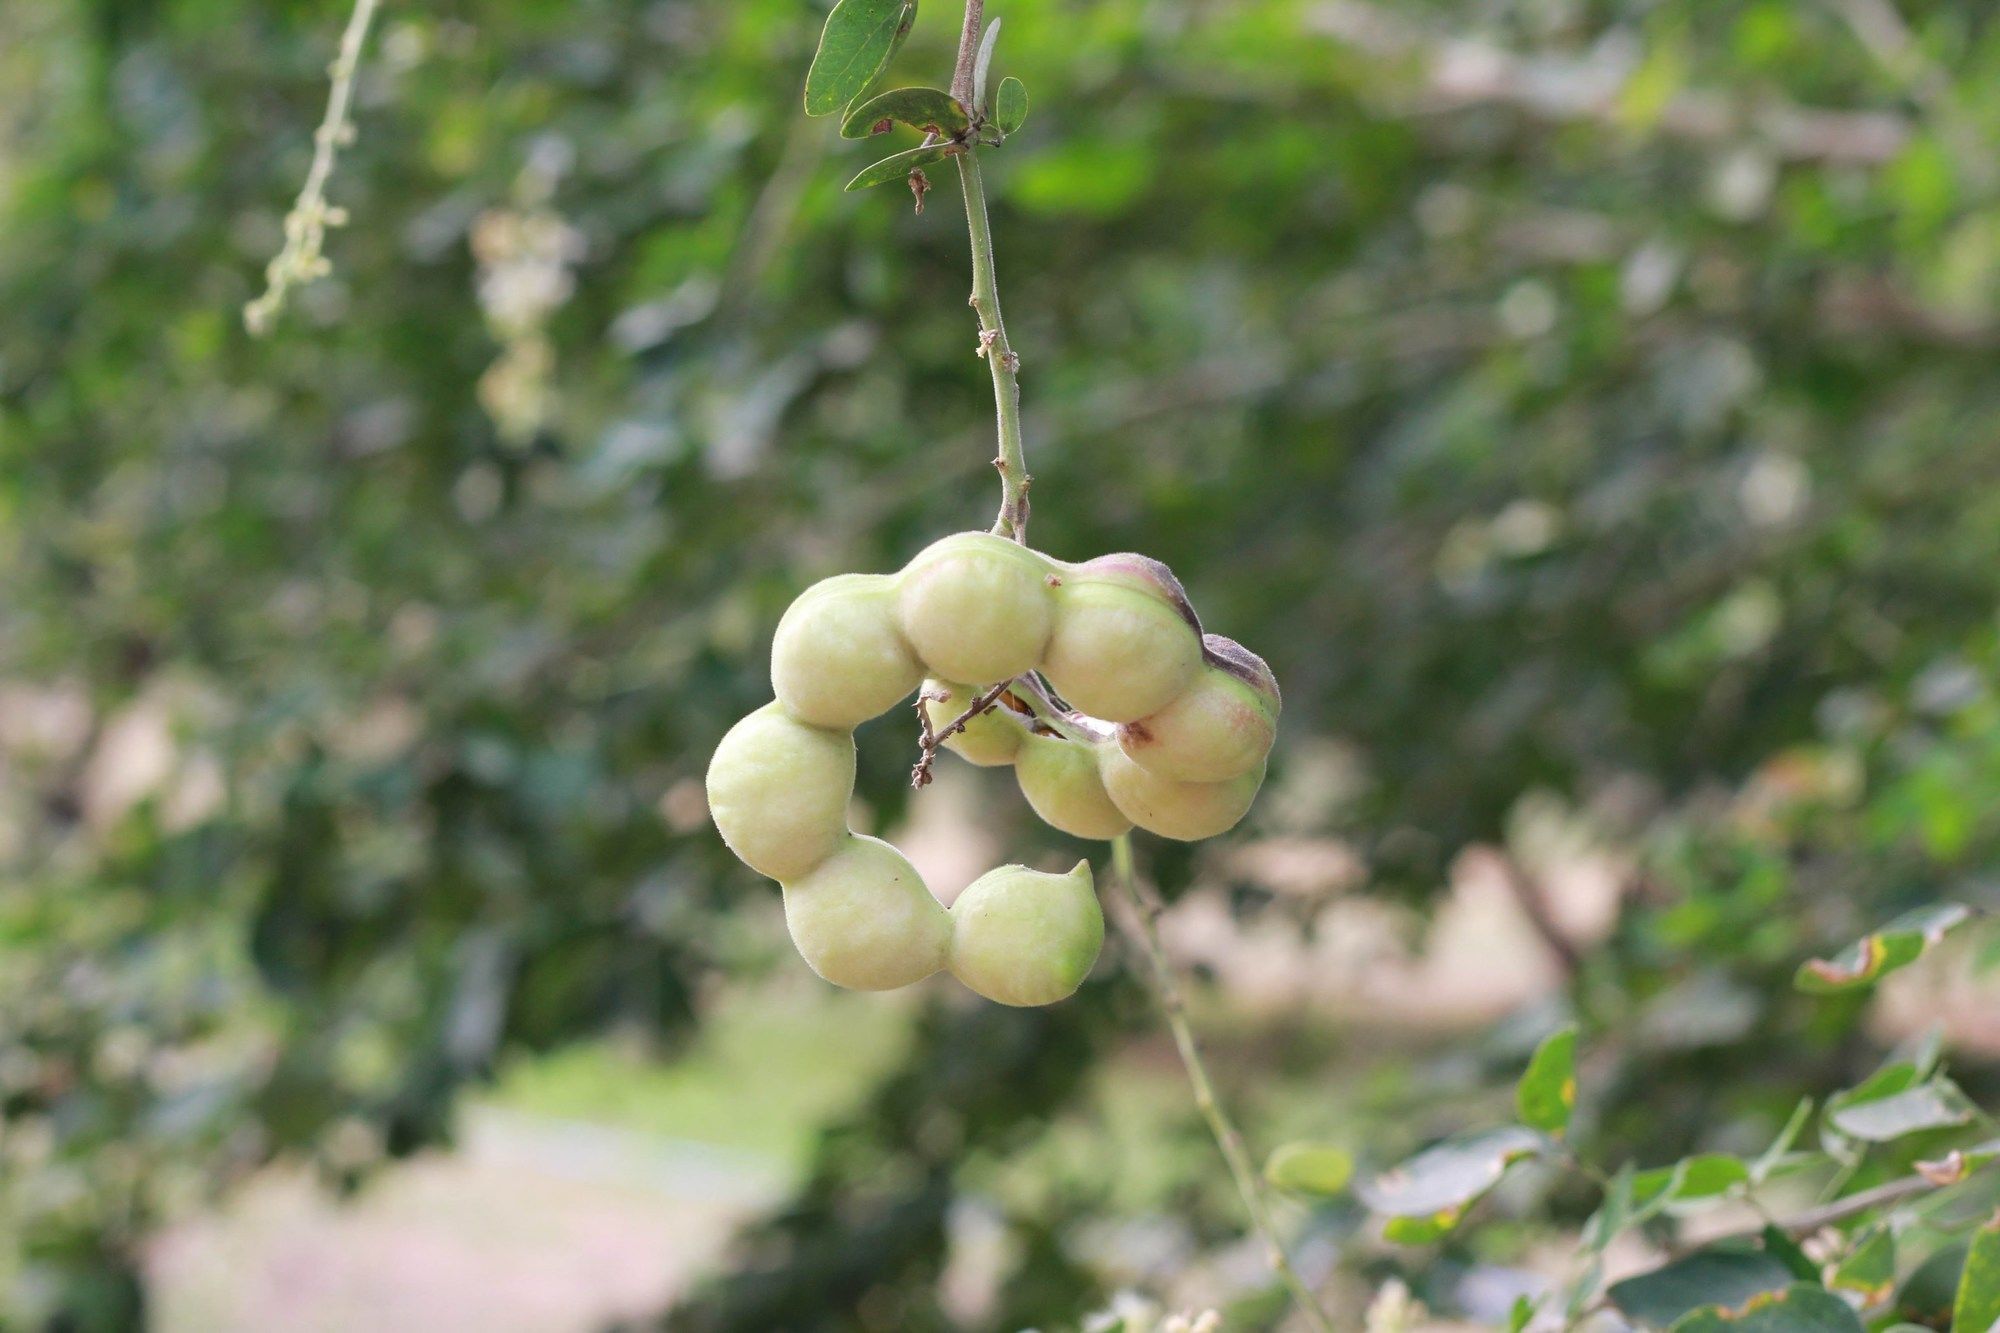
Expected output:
(1876, 955)
(1788, 1252)
(1869, 1270)
(1768, 1160)
(1421, 1230)
(1977, 1308)
(1927, 1293)
(898, 166)
(1800, 1308)
(1449, 1176)
(932, 110)
(1521, 1315)
(1546, 1094)
(984, 62)
(861, 37)
(1879, 1111)
(1615, 1213)
(1317, 1170)
(1720, 1275)
(1010, 105)
(1693, 1180)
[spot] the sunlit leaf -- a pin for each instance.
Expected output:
(1421, 1230)
(1010, 105)
(1449, 1176)
(1977, 1307)
(1875, 955)
(898, 166)
(1693, 1180)
(1314, 1169)
(1800, 1308)
(861, 37)
(1546, 1094)
(932, 110)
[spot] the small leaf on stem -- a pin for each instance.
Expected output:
(1546, 1094)
(1316, 1170)
(932, 110)
(899, 166)
(1010, 106)
(1877, 954)
(983, 62)
(861, 37)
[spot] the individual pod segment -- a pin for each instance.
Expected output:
(1022, 937)
(977, 607)
(1126, 642)
(863, 919)
(990, 740)
(839, 657)
(778, 791)
(1220, 727)
(1061, 781)
(1186, 811)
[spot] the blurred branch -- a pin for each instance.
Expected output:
(1145, 930)
(302, 258)
(1534, 904)
(1459, 72)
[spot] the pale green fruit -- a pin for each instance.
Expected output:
(1126, 643)
(977, 607)
(1220, 727)
(989, 740)
(1187, 811)
(1059, 778)
(839, 657)
(864, 920)
(778, 789)
(1022, 937)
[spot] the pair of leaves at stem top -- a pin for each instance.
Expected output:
(860, 39)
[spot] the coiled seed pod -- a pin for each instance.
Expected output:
(839, 657)
(863, 919)
(1021, 937)
(1186, 811)
(778, 792)
(1060, 779)
(1125, 642)
(977, 607)
(1220, 727)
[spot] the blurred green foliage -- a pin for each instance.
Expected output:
(1583, 399)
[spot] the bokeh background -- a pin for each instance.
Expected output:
(1588, 407)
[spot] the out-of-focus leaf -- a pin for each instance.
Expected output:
(1869, 1270)
(1010, 105)
(1768, 1160)
(1977, 1306)
(861, 37)
(1928, 1292)
(1448, 1177)
(1724, 1276)
(1959, 1163)
(898, 166)
(1421, 1230)
(932, 110)
(1318, 1170)
(1875, 955)
(1801, 1308)
(1788, 1252)
(1546, 1094)
(1615, 1213)
(1519, 1317)
(1692, 1180)
(1879, 1112)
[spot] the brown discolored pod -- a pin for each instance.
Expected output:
(1220, 727)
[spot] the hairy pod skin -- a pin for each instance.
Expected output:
(839, 657)
(863, 919)
(1126, 642)
(1184, 811)
(1021, 937)
(1220, 727)
(778, 792)
(977, 607)
(1060, 779)
(991, 740)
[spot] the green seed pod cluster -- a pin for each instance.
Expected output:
(1170, 734)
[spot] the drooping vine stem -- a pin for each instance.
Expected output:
(1145, 917)
(1010, 461)
(302, 258)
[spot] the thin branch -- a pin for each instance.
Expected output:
(303, 259)
(1145, 916)
(968, 53)
(920, 775)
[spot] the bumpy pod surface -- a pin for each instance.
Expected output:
(1116, 637)
(1022, 937)
(1060, 779)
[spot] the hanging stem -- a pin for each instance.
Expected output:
(1010, 461)
(1145, 914)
